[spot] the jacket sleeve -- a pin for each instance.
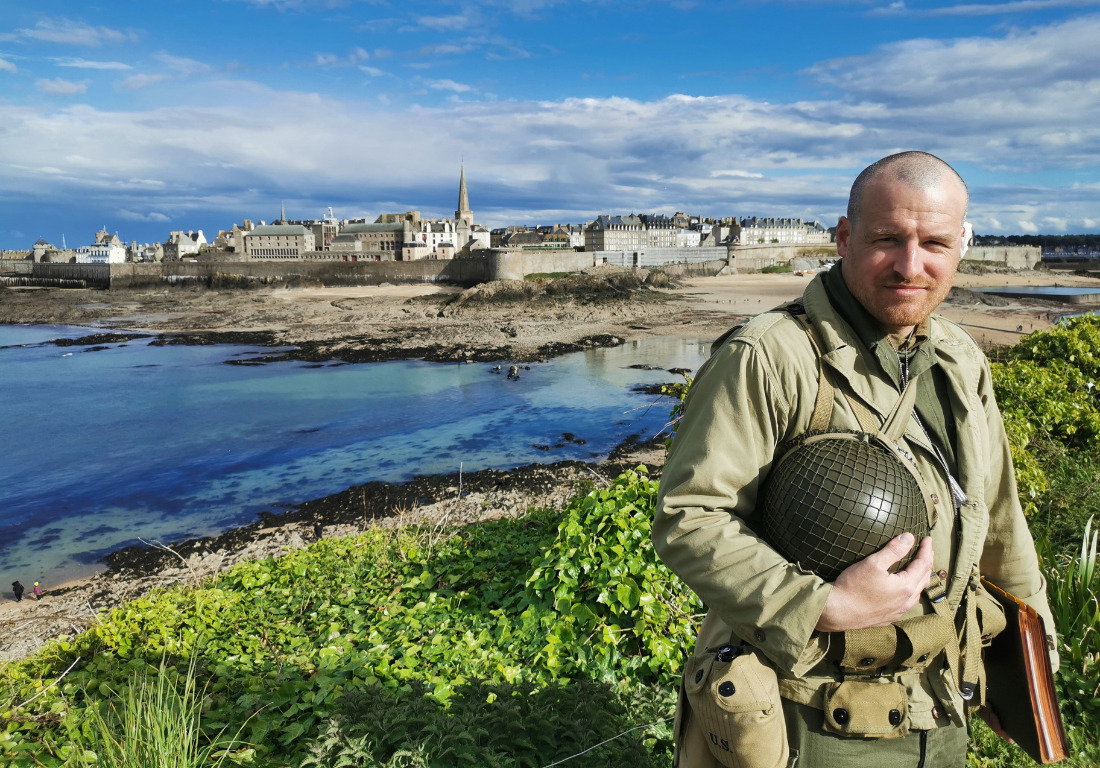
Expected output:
(735, 414)
(1008, 557)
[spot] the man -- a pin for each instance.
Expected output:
(877, 665)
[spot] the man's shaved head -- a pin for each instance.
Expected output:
(919, 170)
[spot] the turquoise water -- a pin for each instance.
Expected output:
(103, 448)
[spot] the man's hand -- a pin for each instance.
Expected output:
(866, 594)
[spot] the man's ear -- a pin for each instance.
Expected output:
(843, 232)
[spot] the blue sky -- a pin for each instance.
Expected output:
(146, 116)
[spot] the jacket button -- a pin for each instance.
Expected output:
(942, 574)
(698, 675)
(923, 658)
(758, 635)
(935, 498)
(726, 689)
(866, 662)
(895, 717)
(936, 712)
(840, 715)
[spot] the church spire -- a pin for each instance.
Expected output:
(463, 213)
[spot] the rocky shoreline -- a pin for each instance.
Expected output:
(433, 500)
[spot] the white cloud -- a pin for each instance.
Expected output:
(69, 32)
(136, 82)
(59, 87)
(446, 49)
(7, 66)
(86, 64)
(735, 174)
(332, 60)
(984, 9)
(445, 23)
(153, 216)
(372, 71)
(448, 85)
(183, 66)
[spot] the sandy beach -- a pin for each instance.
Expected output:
(514, 322)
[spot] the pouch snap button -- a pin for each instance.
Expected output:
(698, 675)
(758, 635)
(895, 717)
(840, 715)
(726, 689)
(935, 498)
(923, 657)
(867, 662)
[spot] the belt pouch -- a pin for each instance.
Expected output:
(872, 709)
(739, 709)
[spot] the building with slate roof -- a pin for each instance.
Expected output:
(278, 241)
(756, 231)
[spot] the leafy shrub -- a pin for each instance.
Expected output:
(496, 725)
(615, 605)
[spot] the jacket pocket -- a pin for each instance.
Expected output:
(735, 695)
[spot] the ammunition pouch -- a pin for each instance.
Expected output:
(872, 709)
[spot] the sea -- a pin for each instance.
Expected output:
(110, 445)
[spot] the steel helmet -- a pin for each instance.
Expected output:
(832, 498)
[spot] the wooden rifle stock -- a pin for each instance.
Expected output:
(1020, 682)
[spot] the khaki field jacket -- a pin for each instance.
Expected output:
(756, 392)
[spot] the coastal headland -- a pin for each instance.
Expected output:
(512, 321)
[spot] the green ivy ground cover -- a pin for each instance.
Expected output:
(518, 642)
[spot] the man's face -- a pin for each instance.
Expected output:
(900, 255)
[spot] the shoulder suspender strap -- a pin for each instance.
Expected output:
(826, 394)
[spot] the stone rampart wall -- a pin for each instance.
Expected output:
(15, 266)
(504, 264)
(1012, 256)
(459, 271)
(658, 257)
(94, 275)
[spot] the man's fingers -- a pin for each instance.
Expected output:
(895, 549)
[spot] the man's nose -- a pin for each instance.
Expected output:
(909, 260)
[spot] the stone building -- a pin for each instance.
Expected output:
(180, 245)
(278, 241)
(381, 241)
(758, 231)
(615, 233)
(106, 251)
(631, 233)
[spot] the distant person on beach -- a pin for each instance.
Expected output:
(17, 588)
(37, 591)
